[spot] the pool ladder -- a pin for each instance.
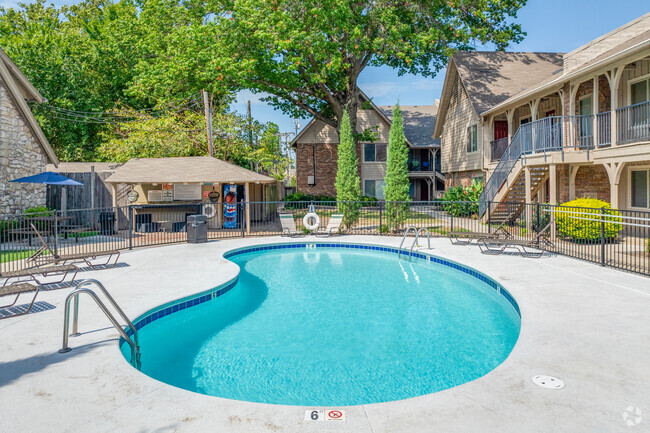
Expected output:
(133, 343)
(415, 241)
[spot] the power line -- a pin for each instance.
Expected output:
(105, 117)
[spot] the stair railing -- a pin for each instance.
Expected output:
(548, 134)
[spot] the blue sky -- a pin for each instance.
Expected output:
(552, 26)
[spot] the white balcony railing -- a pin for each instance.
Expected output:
(604, 128)
(560, 133)
(633, 123)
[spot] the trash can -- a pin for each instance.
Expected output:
(107, 223)
(197, 229)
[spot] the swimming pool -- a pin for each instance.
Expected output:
(331, 324)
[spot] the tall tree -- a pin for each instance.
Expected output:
(97, 55)
(309, 54)
(348, 185)
(396, 191)
(183, 134)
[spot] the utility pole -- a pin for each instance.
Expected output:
(250, 127)
(208, 121)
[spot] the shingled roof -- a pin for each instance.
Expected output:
(419, 122)
(490, 77)
(191, 169)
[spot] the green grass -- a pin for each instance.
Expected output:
(10, 256)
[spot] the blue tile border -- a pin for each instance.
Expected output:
(212, 294)
(454, 265)
(181, 304)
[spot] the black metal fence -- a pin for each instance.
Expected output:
(614, 238)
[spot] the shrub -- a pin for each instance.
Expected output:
(298, 200)
(465, 199)
(647, 246)
(584, 225)
(5, 226)
(39, 211)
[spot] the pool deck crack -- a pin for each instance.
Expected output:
(372, 430)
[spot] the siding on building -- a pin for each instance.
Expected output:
(460, 116)
(322, 140)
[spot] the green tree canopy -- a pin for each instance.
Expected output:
(99, 55)
(308, 54)
(184, 134)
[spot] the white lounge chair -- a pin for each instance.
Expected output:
(289, 225)
(333, 226)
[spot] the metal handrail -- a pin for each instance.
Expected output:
(135, 347)
(415, 230)
(415, 242)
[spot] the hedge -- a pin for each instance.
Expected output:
(583, 224)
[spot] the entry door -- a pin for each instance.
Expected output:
(500, 129)
(586, 122)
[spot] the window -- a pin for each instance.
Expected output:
(640, 188)
(369, 152)
(374, 152)
(640, 91)
(472, 139)
(374, 188)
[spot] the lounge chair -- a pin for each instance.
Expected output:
(458, 237)
(289, 225)
(498, 245)
(62, 259)
(18, 289)
(333, 226)
(33, 273)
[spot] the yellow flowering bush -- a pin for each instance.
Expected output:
(580, 220)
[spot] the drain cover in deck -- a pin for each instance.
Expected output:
(549, 382)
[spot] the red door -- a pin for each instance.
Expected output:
(500, 129)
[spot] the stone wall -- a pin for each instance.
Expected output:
(20, 155)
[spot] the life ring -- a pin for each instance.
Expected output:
(209, 210)
(306, 221)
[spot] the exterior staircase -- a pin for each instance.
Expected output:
(510, 202)
(506, 183)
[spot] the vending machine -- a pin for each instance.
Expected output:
(230, 207)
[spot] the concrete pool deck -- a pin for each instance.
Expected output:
(587, 325)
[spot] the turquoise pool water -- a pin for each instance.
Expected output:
(333, 326)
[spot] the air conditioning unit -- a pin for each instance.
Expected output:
(311, 180)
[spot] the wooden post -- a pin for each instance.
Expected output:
(247, 190)
(529, 199)
(573, 171)
(114, 188)
(92, 187)
(594, 110)
(220, 206)
(552, 195)
(208, 121)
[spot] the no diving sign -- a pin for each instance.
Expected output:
(324, 415)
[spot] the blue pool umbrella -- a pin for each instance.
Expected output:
(48, 178)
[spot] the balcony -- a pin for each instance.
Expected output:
(633, 123)
(566, 133)
(498, 147)
(420, 166)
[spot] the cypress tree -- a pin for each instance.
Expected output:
(348, 185)
(397, 179)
